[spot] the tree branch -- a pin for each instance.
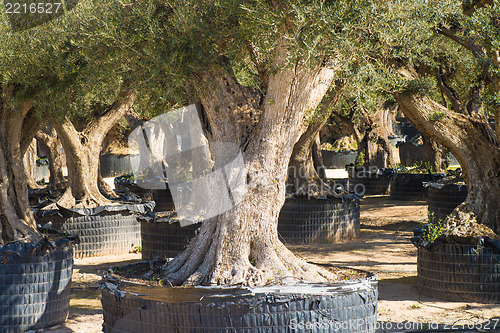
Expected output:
(448, 91)
(97, 129)
(260, 69)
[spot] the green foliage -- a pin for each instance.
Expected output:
(433, 231)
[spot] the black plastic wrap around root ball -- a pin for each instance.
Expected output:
(163, 199)
(409, 186)
(338, 160)
(113, 165)
(308, 221)
(368, 180)
(460, 272)
(34, 287)
(165, 239)
(443, 201)
(344, 306)
(106, 230)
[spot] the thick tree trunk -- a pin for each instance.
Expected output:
(241, 246)
(434, 154)
(16, 219)
(55, 149)
(306, 171)
(303, 176)
(375, 142)
(29, 162)
(471, 141)
(82, 154)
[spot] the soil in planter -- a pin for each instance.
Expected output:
(309, 221)
(146, 306)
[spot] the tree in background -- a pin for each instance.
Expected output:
(443, 63)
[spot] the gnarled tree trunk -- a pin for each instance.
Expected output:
(55, 149)
(306, 171)
(16, 219)
(29, 162)
(473, 142)
(241, 246)
(375, 142)
(82, 154)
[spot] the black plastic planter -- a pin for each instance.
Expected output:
(163, 199)
(368, 180)
(442, 201)
(338, 160)
(106, 230)
(113, 165)
(346, 306)
(309, 221)
(34, 286)
(460, 272)
(165, 237)
(409, 186)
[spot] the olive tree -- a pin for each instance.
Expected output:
(257, 69)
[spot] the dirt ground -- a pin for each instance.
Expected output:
(383, 248)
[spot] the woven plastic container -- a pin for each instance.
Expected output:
(459, 272)
(106, 230)
(346, 306)
(309, 221)
(34, 287)
(163, 199)
(113, 165)
(409, 186)
(338, 160)
(443, 201)
(165, 239)
(367, 180)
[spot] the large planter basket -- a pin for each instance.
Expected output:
(408, 186)
(338, 160)
(34, 286)
(113, 165)
(163, 199)
(366, 180)
(165, 238)
(308, 221)
(106, 230)
(442, 201)
(460, 272)
(346, 306)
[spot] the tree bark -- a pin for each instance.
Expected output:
(55, 149)
(29, 162)
(469, 139)
(375, 142)
(306, 171)
(241, 246)
(434, 154)
(82, 153)
(303, 176)
(17, 220)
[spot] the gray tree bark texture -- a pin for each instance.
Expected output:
(82, 153)
(55, 149)
(16, 219)
(241, 246)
